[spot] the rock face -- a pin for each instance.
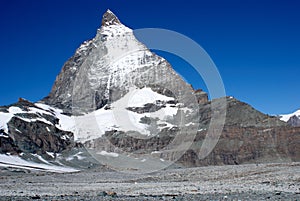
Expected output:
(7, 144)
(33, 132)
(106, 67)
(249, 136)
(294, 121)
(201, 96)
(34, 137)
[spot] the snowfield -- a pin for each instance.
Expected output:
(94, 125)
(17, 162)
(286, 117)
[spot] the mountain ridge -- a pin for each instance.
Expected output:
(115, 103)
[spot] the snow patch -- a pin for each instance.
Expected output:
(110, 154)
(140, 97)
(17, 162)
(95, 124)
(286, 117)
(15, 110)
(52, 154)
(4, 119)
(77, 156)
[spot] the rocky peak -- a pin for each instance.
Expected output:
(294, 121)
(106, 67)
(109, 18)
(201, 96)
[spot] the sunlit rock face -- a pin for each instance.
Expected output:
(105, 68)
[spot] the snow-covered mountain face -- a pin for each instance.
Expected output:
(106, 67)
(112, 84)
(117, 103)
(292, 119)
(38, 137)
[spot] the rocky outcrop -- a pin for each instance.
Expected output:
(7, 144)
(239, 145)
(32, 130)
(294, 121)
(249, 136)
(39, 137)
(202, 97)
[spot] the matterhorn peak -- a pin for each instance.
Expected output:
(106, 68)
(109, 18)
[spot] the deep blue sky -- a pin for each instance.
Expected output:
(255, 44)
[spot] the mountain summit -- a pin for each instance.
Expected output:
(105, 68)
(109, 18)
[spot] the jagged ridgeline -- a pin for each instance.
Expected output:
(105, 68)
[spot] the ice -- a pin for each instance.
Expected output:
(17, 162)
(189, 124)
(110, 154)
(38, 111)
(66, 123)
(286, 117)
(112, 31)
(140, 97)
(15, 110)
(95, 124)
(52, 154)
(4, 119)
(3, 135)
(37, 119)
(77, 156)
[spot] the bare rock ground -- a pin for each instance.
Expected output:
(279, 181)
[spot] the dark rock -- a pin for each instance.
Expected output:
(36, 197)
(110, 18)
(33, 137)
(294, 121)
(7, 144)
(103, 193)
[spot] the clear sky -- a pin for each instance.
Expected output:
(255, 44)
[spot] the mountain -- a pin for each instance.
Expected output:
(248, 136)
(105, 68)
(292, 119)
(115, 104)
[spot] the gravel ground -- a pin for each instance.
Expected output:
(242, 182)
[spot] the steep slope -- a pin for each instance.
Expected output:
(249, 136)
(105, 68)
(40, 135)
